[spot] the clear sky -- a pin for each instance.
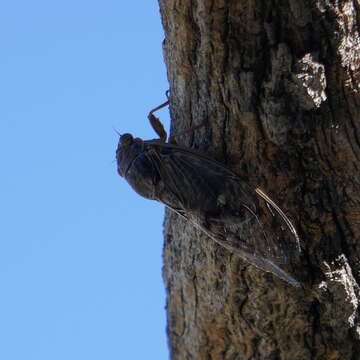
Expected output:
(80, 252)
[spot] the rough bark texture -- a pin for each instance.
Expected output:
(278, 83)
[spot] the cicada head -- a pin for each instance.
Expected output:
(125, 140)
(128, 149)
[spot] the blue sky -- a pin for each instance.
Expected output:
(80, 252)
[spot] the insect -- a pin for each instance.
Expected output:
(212, 197)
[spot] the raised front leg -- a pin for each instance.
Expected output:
(159, 128)
(156, 123)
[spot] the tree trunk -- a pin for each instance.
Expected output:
(278, 83)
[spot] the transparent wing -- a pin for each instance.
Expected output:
(224, 204)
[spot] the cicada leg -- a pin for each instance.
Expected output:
(193, 128)
(159, 128)
(156, 123)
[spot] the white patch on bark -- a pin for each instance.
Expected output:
(309, 82)
(338, 293)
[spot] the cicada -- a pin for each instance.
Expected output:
(212, 197)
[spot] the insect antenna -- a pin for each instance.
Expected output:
(116, 131)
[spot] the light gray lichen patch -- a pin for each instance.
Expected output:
(308, 82)
(337, 294)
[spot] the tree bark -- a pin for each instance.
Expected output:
(278, 83)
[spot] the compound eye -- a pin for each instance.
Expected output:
(126, 139)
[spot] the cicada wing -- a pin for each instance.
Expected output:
(205, 188)
(196, 179)
(266, 265)
(233, 243)
(263, 227)
(285, 239)
(266, 231)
